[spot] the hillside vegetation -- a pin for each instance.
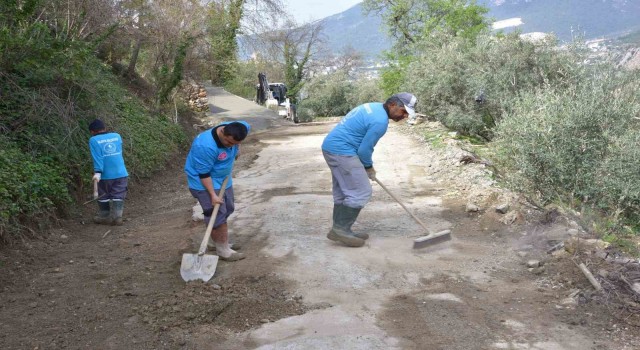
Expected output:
(561, 131)
(64, 63)
(52, 84)
(51, 87)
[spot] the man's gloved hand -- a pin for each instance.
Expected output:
(371, 173)
(96, 177)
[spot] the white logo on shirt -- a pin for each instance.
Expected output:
(109, 148)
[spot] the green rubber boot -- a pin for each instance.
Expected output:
(343, 219)
(361, 235)
(118, 209)
(103, 217)
(351, 216)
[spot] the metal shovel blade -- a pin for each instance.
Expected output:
(198, 267)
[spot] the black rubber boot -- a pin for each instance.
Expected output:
(118, 210)
(103, 217)
(343, 218)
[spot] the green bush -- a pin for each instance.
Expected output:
(469, 86)
(577, 145)
(304, 114)
(365, 90)
(327, 95)
(336, 94)
(30, 190)
(394, 75)
(149, 141)
(619, 178)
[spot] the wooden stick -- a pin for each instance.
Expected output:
(403, 206)
(590, 277)
(95, 189)
(207, 234)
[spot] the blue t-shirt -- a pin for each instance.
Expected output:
(358, 132)
(209, 156)
(106, 151)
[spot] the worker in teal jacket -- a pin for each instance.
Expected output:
(109, 172)
(209, 162)
(348, 151)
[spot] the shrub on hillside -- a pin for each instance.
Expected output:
(469, 86)
(304, 115)
(577, 144)
(335, 95)
(326, 95)
(619, 178)
(31, 190)
(50, 89)
(365, 90)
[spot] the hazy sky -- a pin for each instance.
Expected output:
(304, 10)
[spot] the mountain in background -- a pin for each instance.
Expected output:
(352, 28)
(566, 18)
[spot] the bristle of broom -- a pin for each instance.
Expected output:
(426, 241)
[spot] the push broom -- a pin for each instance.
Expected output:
(424, 241)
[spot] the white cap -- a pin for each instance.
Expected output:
(409, 101)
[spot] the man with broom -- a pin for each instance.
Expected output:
(348, 149)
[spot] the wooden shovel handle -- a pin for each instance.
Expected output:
(207, 234)
(95, 189)
(402, 205)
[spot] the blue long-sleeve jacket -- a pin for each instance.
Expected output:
(358, 132)
(106, 151)
(209, 156)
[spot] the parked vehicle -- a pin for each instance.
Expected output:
(275, 94)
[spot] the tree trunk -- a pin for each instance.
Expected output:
(131, 70)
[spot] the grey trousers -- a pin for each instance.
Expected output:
(351, 185)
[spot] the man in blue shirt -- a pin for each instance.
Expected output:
(209, 162)
(109, 172)
(348, 149)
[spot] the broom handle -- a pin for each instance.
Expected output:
(205, 240)
(402, 205)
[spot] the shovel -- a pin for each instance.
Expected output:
(430, 238)
(95, 194)
(200, 266)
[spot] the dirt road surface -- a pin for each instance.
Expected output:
(100, 287)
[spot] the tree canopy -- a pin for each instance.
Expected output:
(411, 21)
